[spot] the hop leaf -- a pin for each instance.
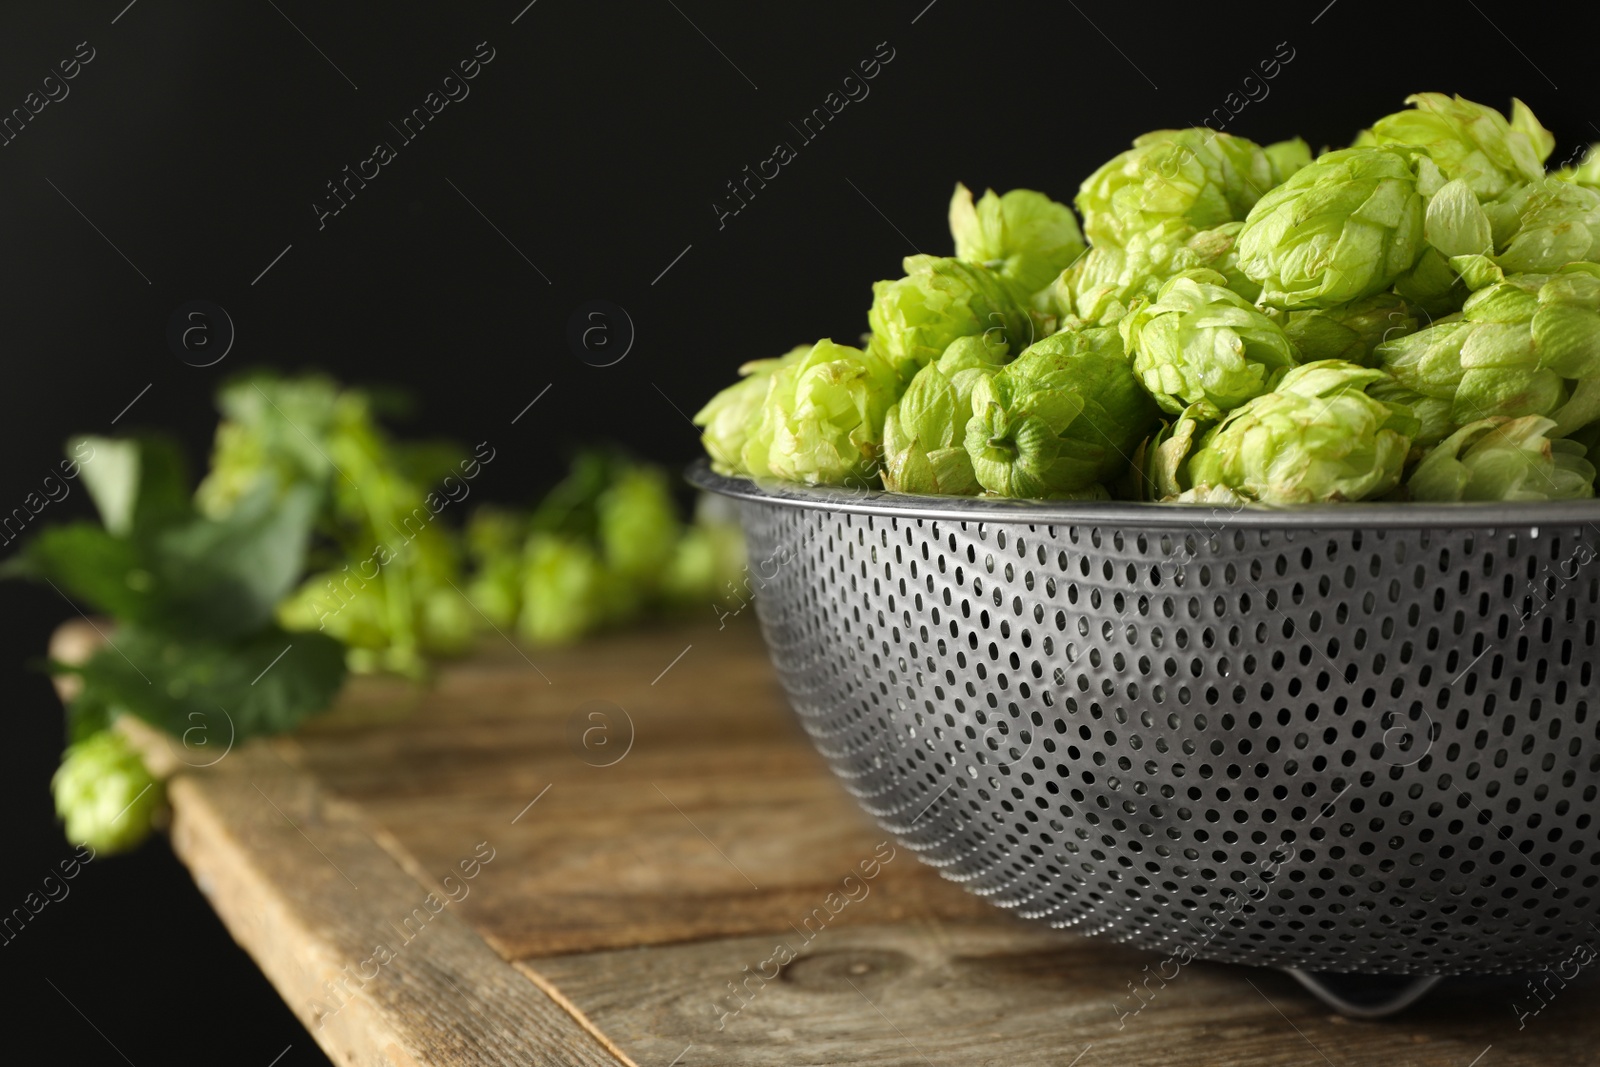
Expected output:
(1504, 459)
(1024, 235)
(1200, 176)
(1319, 437)
(1469, 141)
(1344, 227)
(105, 795)
(1200, 341)
(914, 319)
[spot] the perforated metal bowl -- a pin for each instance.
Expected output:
(1355, 738)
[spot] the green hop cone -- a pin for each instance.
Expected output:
(494, 539)
(1025, 236)
(1456, 231)
(1287, 157)
(709, 563)
(1556, 223)
(1469, 141)
(446, 622)
(1200, 341)
(914, 319)
(1102, 286)
(1455, 223)
(496, 589)
(638, 525)
(1350, 331)
(1319, 437)
(1200, 176)
(821, 419)
(1585, 171)
(1067, 414)
(731, 415)
(924, 434)
(105, 795)
(1528, 345)
(1344, 227)
(1436, 416)
(1504, 459)
(1166, 454)
(566, 592)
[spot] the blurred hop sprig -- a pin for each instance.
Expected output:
(710, 557)
(1200, 341)
(638, 524)
(914, 319)
(1200, 176)
(1528, 345)
(494, 538)
(1504, 459)
(1108, 280)
(1318, 437)
(1063, 418)
(1469, 141)
(1342, 228)
(1025, 236)
(821, 420)
(924, 434)
(105, 795)
(566, 592)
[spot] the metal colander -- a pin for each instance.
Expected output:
(1353, 738)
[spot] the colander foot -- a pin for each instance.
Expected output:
(1366, 996)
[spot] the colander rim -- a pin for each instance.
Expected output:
(1129, 514)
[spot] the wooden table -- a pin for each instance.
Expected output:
(635, 888)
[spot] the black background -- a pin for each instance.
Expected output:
(597, 140)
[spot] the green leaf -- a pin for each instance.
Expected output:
(112, 479)
(265, 683)
(201, 577)
(225, 578)
(135, 483)
(84, 561)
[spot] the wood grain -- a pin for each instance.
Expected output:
(314, 900)
(721, 819)
(911, 994)
(644, 911)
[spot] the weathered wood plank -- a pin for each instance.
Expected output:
(629, 896)
(378, 972)
(720, 820)
(910, 995)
